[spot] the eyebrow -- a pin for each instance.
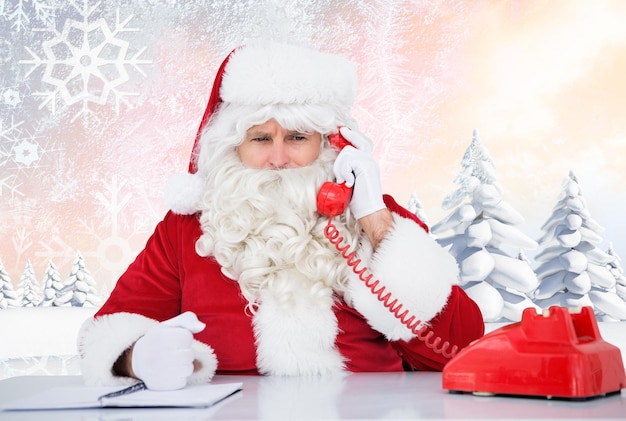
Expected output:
(260, 133)
(257, 133)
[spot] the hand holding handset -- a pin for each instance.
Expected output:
(332, 200)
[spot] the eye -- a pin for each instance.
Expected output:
(297, 137)
(260, 139)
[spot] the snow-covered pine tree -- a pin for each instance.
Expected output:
(477, 232)
(8, 296)
(52, 285)
(64, 296)
(79, 290)
(29, 291)
(616, 269)
(610, 303)
(573, 271)
(416, 208)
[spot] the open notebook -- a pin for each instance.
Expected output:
(195, 396)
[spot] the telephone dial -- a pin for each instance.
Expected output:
(332, 200)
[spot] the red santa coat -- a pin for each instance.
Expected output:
(169, 277)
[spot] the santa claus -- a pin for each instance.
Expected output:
(241, 276)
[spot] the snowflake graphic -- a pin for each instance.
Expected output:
(11, 97)
(6, 51)
(114, 251)
(18, 13)
(26, 153)
(8, 137)
(86, 63)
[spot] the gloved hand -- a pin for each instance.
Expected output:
(356, 166)
(163, 358)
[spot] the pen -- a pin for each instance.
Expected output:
(131, 389)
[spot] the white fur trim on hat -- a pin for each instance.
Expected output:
(265, 72)
(102, 340)
(414, 268)
(183, 192)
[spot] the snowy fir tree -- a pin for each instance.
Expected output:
(8, 296)
(416, 208)
(573, 271)
(29, 291)
(79, 289)
(52, 285)
(480, 232)
(611, 302)
(616, 269)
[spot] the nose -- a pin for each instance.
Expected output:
(278, 155)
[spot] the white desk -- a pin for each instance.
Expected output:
(355, 396)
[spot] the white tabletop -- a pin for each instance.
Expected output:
(354, 396)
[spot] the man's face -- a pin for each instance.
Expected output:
(270, 146)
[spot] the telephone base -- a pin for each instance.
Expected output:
(540, 397)
(557, 355)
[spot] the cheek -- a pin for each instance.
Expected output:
(309, 158)
(249, 157)
(310, 155)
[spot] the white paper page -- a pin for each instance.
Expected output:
(190, 396)
(87, 397)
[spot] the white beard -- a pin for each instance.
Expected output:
(262, 227)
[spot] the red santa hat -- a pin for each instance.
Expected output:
(263, 73)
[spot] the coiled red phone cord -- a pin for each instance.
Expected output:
(392, 304)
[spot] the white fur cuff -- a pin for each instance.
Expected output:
(414, 269)
(203, 353)
(102, 340)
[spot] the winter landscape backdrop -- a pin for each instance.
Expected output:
(500, 122)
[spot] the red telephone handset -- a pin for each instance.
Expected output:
(333, 198)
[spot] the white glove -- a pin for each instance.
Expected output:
(163, 358)
(357, 167)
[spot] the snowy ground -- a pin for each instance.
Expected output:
(42, 341)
